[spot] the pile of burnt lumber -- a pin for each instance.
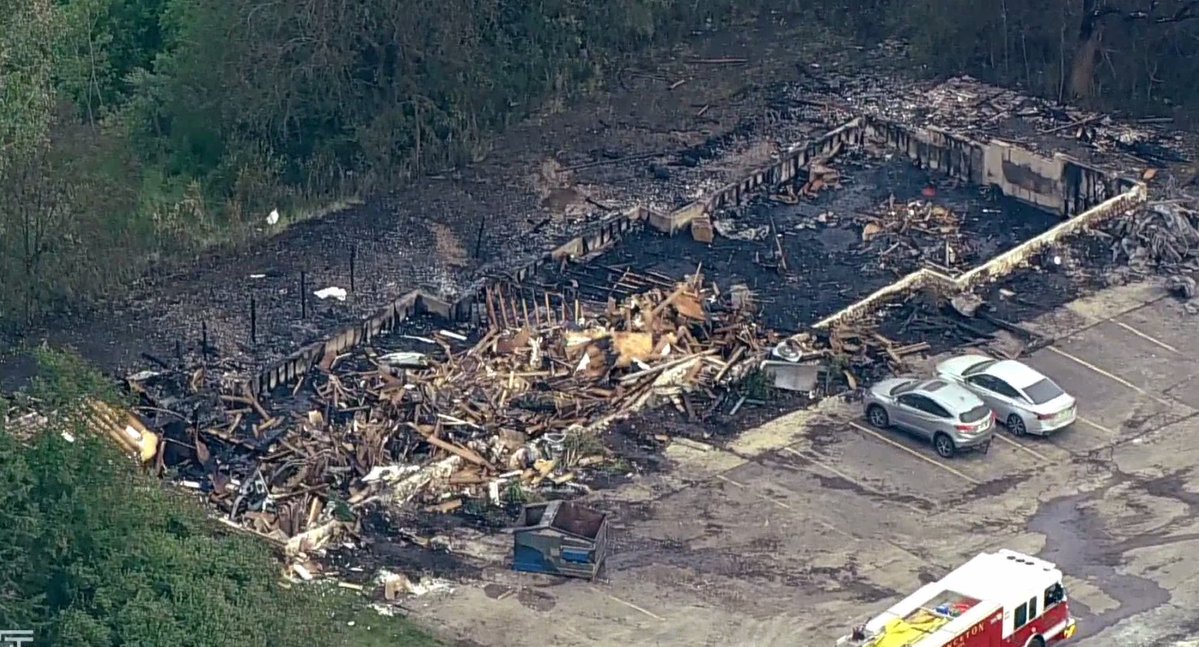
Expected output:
(866, 352)
(438, 420)
(916, 230)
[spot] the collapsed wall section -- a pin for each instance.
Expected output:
(1082, 193)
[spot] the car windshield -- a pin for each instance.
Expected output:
(903, 386)
(979, 367)
(1043, 391)
(975, 414)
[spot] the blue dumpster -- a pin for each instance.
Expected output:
(560, 538)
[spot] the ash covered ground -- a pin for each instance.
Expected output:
(830, 259)
(648, 139)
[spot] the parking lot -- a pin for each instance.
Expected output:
(816, 521)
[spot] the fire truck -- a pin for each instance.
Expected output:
(1000, 599)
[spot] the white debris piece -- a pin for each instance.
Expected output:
(405, 359)
(395, 583)
(303, 572)
(407, 488)
(389, 473)
(331, 292)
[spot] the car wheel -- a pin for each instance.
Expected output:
(1015, 424)
(1037, 642)
(944, 446)
(878, 416)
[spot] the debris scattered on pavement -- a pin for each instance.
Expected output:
(1181, 286)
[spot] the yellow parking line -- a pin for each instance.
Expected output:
(1152, 340)
(1096, 425)
(914, 452)
(1021, 447)
(1115, 378)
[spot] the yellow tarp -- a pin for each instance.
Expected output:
(904, 633)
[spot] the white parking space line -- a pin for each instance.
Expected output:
(1096, 425)
(1153, 340)
(730, 481)
(627, 604)
(824, 524)
(1023, 448)
(1111, 376)
(867, 488)
(915, 453)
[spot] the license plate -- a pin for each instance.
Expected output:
(1061, 416)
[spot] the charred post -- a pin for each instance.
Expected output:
(303, 294)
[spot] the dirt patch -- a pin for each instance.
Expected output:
(448, 245)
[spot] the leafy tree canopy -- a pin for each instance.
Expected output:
(97, 554)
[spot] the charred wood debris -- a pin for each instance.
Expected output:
(901, 235)
(1162, 239)
(515, 408)
(467, 420)
(973, 108)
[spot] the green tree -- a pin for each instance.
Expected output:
(29, 32)
(98, 555)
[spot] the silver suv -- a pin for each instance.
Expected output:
(949, 416)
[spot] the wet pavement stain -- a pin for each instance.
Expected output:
(833, 482)
(1081, 548)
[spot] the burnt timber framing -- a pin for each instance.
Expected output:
(1081, 193)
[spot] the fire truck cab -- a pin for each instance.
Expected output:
(1000, 599)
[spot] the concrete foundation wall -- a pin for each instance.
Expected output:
(789, 165)
(993, 269)
(1060, 184)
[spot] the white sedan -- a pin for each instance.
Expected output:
(1023, 399)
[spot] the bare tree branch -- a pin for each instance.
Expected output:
(1186, 12)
